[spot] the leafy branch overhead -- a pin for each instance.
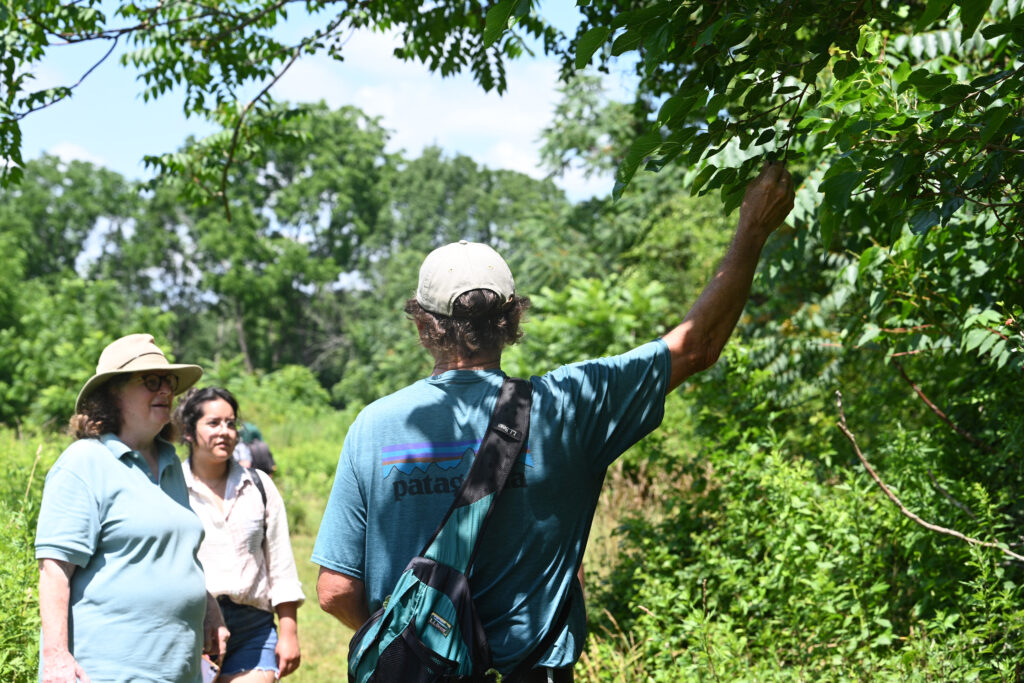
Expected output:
(913, 110)
(220, 52)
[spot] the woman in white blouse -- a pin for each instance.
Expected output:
(246, 553)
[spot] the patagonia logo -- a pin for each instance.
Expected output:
(509, 432)
(440, 624)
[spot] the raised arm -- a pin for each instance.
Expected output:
(696, 343)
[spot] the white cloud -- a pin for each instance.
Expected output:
(43, 76)
(421, 108)
(72, 151)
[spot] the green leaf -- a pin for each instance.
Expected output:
(708, 34)
(640, 149)
(1002, 28)
(765, 137)
(901, 72)
(700, 143)
(870, 333)
(955, 93)
(839, 188)
(974, 338)
(971, 13)
(988, 343)
(934, 10)
(680, 105)
(845, 68)
(923, 221)
(702, 178)
(497, 20)
(925, 82)
(994, 119)
(829, 222)
(866, 261)
(588, 44)
(811, 68)
(870, 42)
(630, 40)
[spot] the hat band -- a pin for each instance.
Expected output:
(147, 353)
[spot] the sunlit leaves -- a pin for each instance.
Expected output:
(902, 99)
(229, 54)
(589, 43)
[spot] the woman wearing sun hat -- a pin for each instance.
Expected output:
(121, 594)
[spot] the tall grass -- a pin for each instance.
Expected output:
(24, 462)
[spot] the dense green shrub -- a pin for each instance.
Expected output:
(22, 471)
(766, 571)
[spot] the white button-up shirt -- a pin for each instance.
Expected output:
(237, 562)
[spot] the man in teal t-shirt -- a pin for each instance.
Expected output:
(405, 455)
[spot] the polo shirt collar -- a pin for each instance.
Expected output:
(166, 454)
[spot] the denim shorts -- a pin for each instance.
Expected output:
(253, 639)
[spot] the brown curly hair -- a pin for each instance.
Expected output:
(101, 413)
(481, 323)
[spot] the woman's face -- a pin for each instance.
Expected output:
(216, 433)
(145, 401)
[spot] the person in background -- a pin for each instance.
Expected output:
(406, 454)
(252, 450)
(121, 592)
(246, 553)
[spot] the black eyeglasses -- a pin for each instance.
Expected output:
(154, 382)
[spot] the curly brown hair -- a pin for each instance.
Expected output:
(481, 324)
(101, 413)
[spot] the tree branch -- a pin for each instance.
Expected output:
(296, 52)
(903, 509)
(20, 115)
(942, 416)
(948, 496)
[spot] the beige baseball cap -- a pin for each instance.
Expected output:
(450, 271)
(136, 353)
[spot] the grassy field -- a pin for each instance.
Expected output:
(323, 639)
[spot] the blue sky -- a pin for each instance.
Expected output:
(106, 121)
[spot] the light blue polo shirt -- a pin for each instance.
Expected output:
(138, 596)
(406, 454)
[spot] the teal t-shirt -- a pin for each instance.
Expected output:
(404, 458)
(138, 596)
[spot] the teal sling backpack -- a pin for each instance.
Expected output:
(428, 630)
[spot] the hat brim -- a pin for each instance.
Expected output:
(187, 376)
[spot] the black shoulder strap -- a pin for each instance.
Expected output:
(259, 485)
(504, 440)
(255, 476)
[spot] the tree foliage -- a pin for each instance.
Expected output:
(912, 110)
(219, 53)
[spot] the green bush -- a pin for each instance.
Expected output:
(764, 571)
(22, 471)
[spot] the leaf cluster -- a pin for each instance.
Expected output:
(912, 111)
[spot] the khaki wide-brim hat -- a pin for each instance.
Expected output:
(136, 353)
